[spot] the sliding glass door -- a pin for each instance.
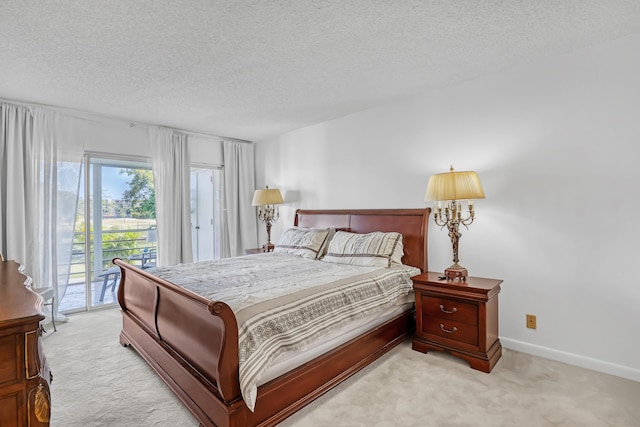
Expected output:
(116, 218)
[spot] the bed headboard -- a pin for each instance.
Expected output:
(411, 223)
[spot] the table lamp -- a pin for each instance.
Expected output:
(267, 200)
(445, 190)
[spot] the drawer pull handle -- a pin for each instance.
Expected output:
(449, 331)
(447, 311)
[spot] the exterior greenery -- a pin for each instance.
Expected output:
(126, 223)
(141, 195)
(115, 244)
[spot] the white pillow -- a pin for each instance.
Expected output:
(305, 242)
(372, 249)
(325, 245)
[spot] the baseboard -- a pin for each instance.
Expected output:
(572, 359)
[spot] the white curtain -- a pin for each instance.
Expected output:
(39, 184)
(16, 237)
(239, 217)
(171, 178)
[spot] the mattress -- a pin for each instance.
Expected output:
(293, 359)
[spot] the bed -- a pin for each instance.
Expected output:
(192, 342)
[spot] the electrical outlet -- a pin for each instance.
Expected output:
(531, 321)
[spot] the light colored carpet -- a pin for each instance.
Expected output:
(97, 382)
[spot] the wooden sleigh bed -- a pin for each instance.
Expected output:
(192, 342)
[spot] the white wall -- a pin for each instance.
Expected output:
(555, 144)
(119, 138)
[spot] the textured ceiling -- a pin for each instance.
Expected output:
(253, 69)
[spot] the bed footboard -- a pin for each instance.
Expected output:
(175, 330)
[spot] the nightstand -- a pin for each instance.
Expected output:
(254, 251)
(458, 317)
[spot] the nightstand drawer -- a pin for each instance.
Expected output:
(451, 310)
(456, 331)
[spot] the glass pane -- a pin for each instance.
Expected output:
(74, 296)
(205, 213)
(121, 213)
(124, 225)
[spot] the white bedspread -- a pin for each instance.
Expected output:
(284, 302)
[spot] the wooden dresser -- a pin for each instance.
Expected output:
(25, 399)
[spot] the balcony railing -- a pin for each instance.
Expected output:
(124, 243)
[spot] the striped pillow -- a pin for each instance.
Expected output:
(305, 242)
(372, 249)
(398, 253)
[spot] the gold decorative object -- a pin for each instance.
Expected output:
(41, 405)
(267, 200)
(445, 190)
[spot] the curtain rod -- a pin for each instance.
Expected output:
(102, 118)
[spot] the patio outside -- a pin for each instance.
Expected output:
(132, 239)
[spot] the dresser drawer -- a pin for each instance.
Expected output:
(451, 310)
(11, 358)
(456, 331)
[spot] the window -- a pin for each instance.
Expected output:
(205, 213)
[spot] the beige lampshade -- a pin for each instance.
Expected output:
(454, 185)
(268, 196)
